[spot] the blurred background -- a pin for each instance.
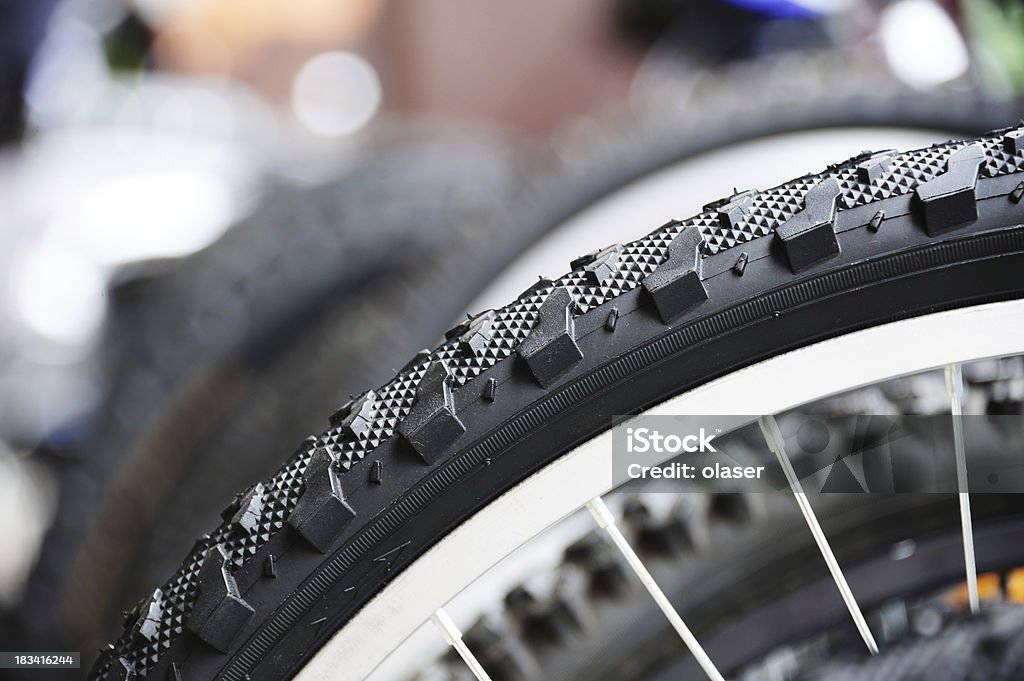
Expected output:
(220, 218)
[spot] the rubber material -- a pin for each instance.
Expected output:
(191, 402)
(703, 549)
(220, 362)
(989, 647)
(897, 271)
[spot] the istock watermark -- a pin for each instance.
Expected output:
(644, 440)
(639, 440)
(829, 453)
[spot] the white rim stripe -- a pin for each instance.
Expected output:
(825, 368)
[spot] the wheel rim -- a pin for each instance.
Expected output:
(564, 486)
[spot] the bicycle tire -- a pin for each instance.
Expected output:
(876, 238)
(88, 570)
(723, 560)
(191, 346)
(994, 641)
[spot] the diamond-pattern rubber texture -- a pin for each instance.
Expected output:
(510, 326)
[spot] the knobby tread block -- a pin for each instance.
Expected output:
(675, 285)
(733, 210)
(149, 617)
(321, 512)
(416, 404)
(875, 167)
(809, 237)
(431, 425)
(250, 509)
(599, 265)
(949, 200)
(355, 417)
(474, 334)
(550, 349)
(1013, 142)
(219, 612)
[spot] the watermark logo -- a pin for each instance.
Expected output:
(643, 440)
(830, 453)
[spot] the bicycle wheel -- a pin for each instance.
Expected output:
(932, 237)
(565, 606)
(290, 333)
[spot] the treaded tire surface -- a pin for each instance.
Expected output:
(818, 262)
(220, 361)
(211, 394)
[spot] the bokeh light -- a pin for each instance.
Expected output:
(336, 93)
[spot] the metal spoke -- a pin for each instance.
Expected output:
(773, 436)
(453, 636)
(955, 388)
(606, 521)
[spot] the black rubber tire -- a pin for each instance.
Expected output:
(280, 351)
(729, 564)
(511, 391)
(988, 647)
(269, 320)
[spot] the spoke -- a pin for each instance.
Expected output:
(776, 443)
(453, 636)
(606, 521)
(955, 388)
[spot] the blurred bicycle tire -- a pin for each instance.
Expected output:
(192, 417)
